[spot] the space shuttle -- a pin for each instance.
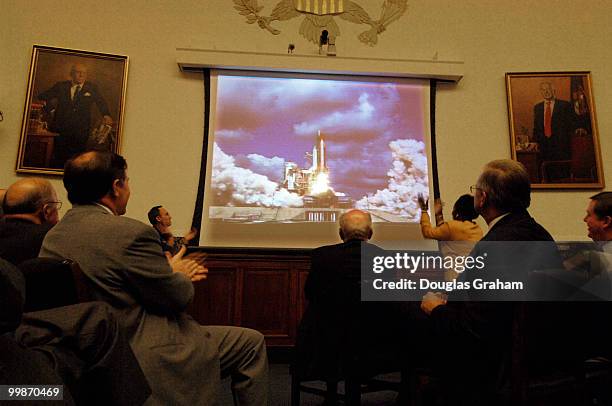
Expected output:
(319, 160)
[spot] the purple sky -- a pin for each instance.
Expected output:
(279, 118)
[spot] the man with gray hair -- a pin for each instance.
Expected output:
(30, 208)
(337, 327)
(479, 323)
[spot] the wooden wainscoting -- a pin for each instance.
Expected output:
(263, 290)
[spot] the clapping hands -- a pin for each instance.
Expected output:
(190, 266)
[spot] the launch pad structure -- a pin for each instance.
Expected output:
(313, 183)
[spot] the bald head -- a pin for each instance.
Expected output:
(355, 225)
(32, 198)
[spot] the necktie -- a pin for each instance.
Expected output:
(547, 120)
(76, 93)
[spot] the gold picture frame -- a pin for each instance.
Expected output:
(75, 102)
(553, 129)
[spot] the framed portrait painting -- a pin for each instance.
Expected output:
(74, 103)
(553, 129)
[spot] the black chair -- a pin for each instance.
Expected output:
(557, 343)
(332, 346)
(53, 283)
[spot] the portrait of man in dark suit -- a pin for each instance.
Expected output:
(74, 103)
(69, 103)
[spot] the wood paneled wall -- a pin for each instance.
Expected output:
(263, 290)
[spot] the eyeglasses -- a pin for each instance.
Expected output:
(58, 204)
(474, 188)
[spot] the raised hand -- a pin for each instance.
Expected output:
(189, 266)
(423, 204)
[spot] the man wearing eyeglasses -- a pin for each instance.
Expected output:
(30, 210)
(480, 323)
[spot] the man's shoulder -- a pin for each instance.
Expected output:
(518, 226)
(563, 103)
(23, 227)
(89, 86)
(346, 248)
(97, 217)
(326, 249)
(63, 84)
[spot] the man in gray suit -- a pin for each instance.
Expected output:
(123, 260)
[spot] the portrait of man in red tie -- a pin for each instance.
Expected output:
(554, 121)
(553, 130)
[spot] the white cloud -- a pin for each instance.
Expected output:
(238, 135)
(236, 186)
(360, 115)
(407, 179)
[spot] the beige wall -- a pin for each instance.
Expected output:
(164, 109)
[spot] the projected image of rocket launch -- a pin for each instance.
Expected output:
(313, 183)
(296, 150)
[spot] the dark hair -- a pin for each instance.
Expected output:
(152, 214)
(603, 204)
(89, 176)
(464, 208)
(506, 183)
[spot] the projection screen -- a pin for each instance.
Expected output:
(287, 154)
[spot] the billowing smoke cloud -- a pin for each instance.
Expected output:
(360, 115)
(236, 186)
(273, 168)
(407, 178)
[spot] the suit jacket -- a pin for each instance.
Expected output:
(20, 239)
(563, 124)
(482, 330)
(123, 260)
(12, 293)
(74, 116)
(337, 328)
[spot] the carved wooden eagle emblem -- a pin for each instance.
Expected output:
(319, 15)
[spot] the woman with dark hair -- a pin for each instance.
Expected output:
(457, 236)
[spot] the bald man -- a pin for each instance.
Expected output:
(30, 210)
(72, 101)
(336, 325)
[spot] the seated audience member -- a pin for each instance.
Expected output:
(457, 236)
(473, 369)
(79, 346)
(30, 210)
(336, 324)
(183, 361)
(598, 220)
(161, 220)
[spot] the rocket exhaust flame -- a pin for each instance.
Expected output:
(320, 184)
